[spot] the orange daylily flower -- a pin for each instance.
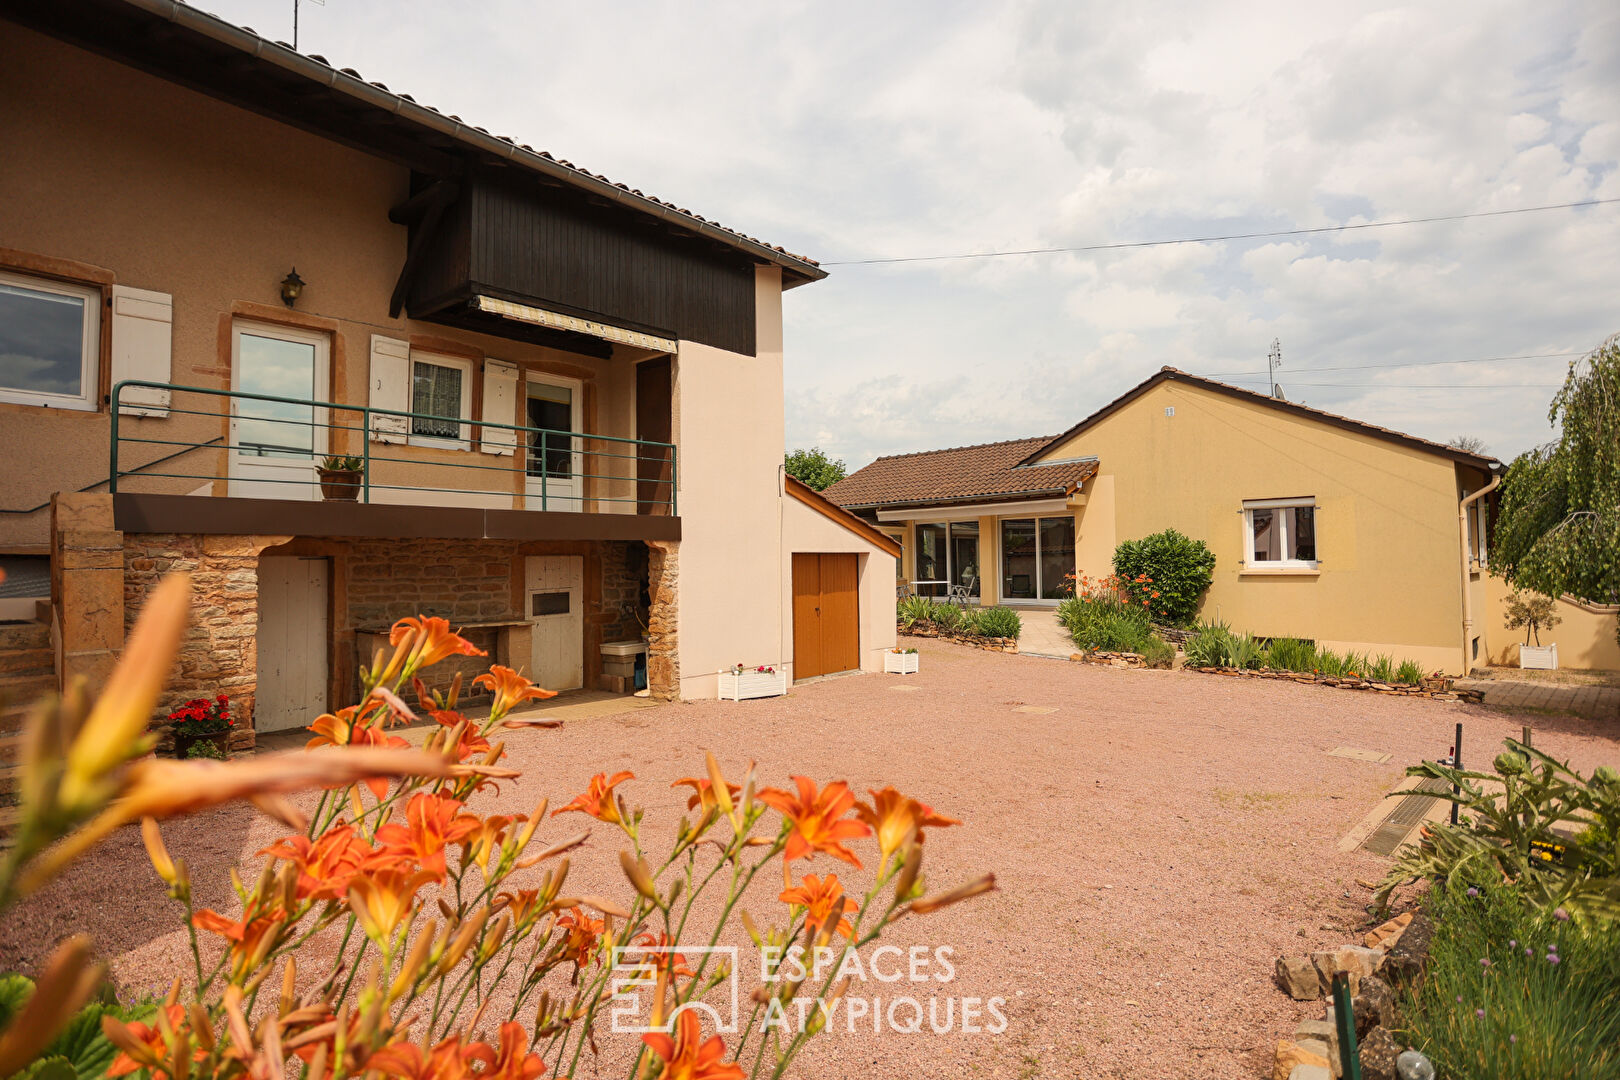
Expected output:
(818, 820)
(703, 792)
(348, 728)
(447, 1061)
(327, 864)
(486, 838)
(251, 937)
(382, 899)
(819, 897)
(510, 690)
(142, 1046)
(583, 933)
(523, 903)
(513, 1060)
(434, 821)
(432, 641)
(894, 816)
(659, 945)
(598, 800)
(688, 1056)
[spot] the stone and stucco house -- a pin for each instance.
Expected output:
(223, 262)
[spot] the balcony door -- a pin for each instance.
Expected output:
(554, 471)
(276, 445)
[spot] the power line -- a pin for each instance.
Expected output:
(1415, 386)
(1219, 239)
(1412, 363)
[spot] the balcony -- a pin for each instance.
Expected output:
(189, 459)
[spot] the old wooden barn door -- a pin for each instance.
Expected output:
(826, 614)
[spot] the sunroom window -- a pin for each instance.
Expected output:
(50, 339)
(1280, 533)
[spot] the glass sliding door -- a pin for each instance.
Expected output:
(1019, 567)
(1057, 556)
(964, 555)
(931, 565)
(1037, 557)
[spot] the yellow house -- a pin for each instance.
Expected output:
(1323, 527)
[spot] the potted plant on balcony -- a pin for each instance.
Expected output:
(340, 478)
(202, 721)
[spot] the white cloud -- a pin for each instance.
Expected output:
(848, 130)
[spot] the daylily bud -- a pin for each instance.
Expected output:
(157, 852)
(722, 794)
(289, 986)
(414, 961)
(748, 924)
(906, 880)
(639, 873)
(961, 892)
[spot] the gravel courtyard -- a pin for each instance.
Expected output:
(1158, 838)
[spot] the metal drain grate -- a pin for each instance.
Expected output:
(1406, 817)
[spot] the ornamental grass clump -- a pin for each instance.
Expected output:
(450, 947)
(1512, 992)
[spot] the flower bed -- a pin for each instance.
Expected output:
(1438, 690)
(1104, 658)
(989, 644)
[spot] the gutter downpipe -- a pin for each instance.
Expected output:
(1467, 584)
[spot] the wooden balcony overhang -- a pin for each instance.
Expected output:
(200, 514)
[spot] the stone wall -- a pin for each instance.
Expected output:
(218, 654)
(624, 606)
(663, 640)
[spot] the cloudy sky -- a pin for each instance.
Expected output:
(852, 130)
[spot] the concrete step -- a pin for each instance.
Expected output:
(22, 662)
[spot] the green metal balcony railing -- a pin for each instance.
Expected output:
(273, 446)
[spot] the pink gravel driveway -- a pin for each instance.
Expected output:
(1159, 838)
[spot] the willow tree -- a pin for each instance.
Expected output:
(1558, 526)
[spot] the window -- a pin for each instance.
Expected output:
(442, 387)
(1037, 557)
(947, 555)
(1280, 533)
(50, 341)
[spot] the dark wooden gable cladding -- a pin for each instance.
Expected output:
(509, 237)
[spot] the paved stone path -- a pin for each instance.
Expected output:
(1594, 702)
(1043, 635)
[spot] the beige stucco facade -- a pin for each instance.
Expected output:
(1388, 572)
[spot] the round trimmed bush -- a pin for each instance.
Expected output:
(1167, 570)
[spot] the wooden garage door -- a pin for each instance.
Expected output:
(826, 615)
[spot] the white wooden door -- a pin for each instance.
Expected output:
(553, 597)
(292, 642)
(555, 460)
(275, 445)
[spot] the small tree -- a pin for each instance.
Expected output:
(1532, 614)
(1469, 444)
(814, 468)
(1167, 573)
(1558, 527)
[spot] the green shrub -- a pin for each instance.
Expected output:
(913, 610)
(1158, 653)
(1410, 671)
(945, 616)
(969, 622)
(1000, 622)
(1291, 654)
(1105, 620)
(206, 748)
(1169, 571)
(1493, 1005)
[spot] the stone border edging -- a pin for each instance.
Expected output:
(989, 644)
(1442, 691)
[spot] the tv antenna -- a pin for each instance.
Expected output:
(322, 3)
(1273, 362)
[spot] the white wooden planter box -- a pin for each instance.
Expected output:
(1539, 656)
(900, 663)
(752, 684)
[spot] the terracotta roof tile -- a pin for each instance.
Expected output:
(988, 471)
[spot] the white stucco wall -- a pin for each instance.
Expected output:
(729, 431)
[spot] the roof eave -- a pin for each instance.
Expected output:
(227, 33)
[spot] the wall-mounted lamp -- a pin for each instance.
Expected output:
(291, 286)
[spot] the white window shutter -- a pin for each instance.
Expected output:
(390, 387)
(500, 406)
(142, 348)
